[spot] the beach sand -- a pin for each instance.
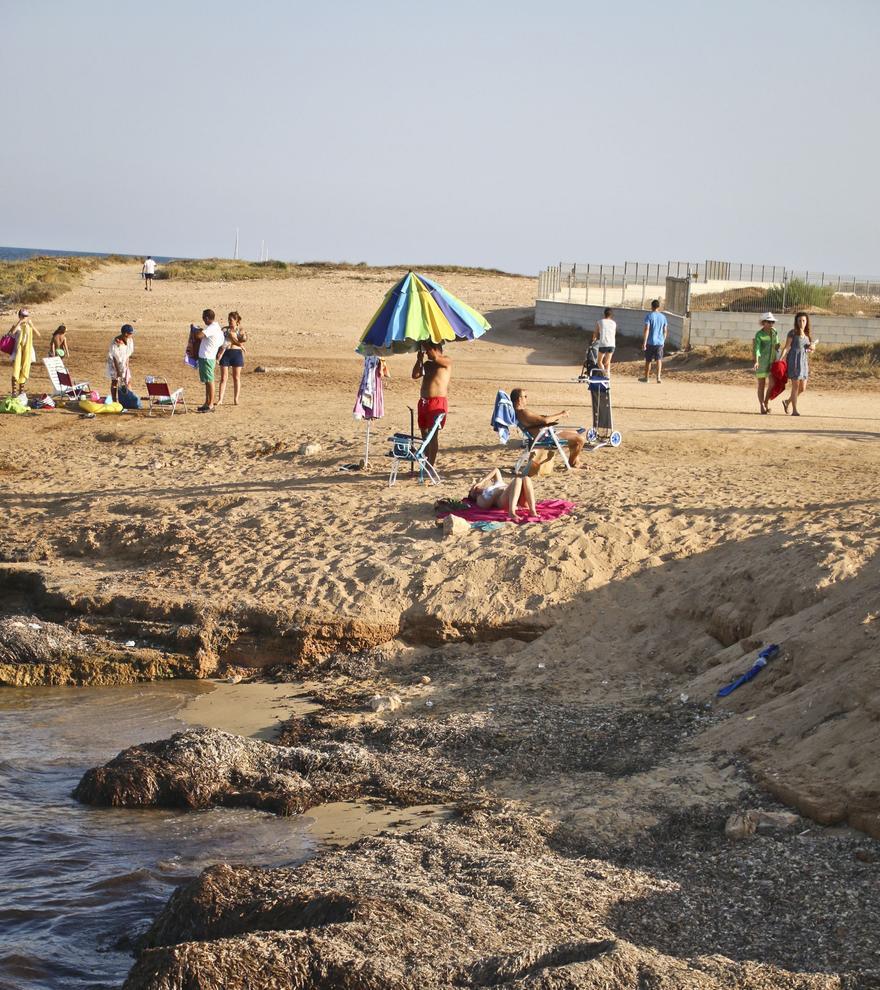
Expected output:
(708, 531)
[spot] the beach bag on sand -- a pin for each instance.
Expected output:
(128, 399)
(7, 343)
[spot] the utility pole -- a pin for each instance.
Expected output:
(235, 253)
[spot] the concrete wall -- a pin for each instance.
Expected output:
(715, 328)
(630, 322)
(631, 294)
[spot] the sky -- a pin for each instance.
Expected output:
(476, 132)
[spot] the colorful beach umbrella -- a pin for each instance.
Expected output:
(415, 311)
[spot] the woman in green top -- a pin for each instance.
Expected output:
(764, 348)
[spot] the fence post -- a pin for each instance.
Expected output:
(644, 289)
(784, 288)
(623, 294)
(604, 290)
(569, 286)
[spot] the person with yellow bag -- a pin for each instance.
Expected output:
(23, 354)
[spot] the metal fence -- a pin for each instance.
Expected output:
(714, 285)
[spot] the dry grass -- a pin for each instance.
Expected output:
(229, 270)
(798, 296)
(855, 361)
(42, 279)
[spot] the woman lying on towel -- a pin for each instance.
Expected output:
(493, 492)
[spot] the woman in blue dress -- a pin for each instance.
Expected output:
(798, 345)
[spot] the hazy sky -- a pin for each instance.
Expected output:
(467, 131)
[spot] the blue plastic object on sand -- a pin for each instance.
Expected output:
(768, 653)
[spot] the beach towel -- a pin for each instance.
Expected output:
(549, 509)
(779, 376)
(503, 416)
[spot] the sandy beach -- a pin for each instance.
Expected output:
(568, 670)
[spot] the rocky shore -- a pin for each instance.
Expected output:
(499, 896)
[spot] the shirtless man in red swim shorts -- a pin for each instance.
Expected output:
(434, 369)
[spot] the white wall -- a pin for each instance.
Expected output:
(715, 328)
(630, 322)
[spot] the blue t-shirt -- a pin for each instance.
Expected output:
(656, 323)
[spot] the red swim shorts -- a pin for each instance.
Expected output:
(429, 409)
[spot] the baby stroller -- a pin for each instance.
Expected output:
(591, 362)
(602, 432)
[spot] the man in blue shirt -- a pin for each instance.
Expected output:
(656, 330)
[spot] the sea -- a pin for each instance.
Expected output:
(22, 254)
(77, 883)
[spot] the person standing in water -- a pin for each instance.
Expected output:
(764, 348)
(434, 369)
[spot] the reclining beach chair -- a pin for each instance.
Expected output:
(161, 396)
(409, 449)
(543, 439)
(62, 381)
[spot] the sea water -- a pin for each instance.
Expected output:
(78, 883)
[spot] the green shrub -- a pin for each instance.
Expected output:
(798, 295)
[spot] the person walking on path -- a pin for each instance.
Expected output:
(118, 358)
(232, 357)
(434, 369)
(23, 355)
(148, 271)
(798, 345)
(58, 345)
(764, 348)
(605, 335)
(656, 332)
(210, 341)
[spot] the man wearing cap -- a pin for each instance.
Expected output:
(656, 331)
(118, 358)
(764, 348)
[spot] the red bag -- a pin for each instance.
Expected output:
(779, 374)
(7, 343)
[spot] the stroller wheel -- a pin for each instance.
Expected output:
(615, 439)
(592, 435)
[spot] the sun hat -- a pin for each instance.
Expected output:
(127, 328)
(768, 318)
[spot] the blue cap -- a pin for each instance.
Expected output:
(127, 328)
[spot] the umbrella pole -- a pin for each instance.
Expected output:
(412, 437)
(367, 450)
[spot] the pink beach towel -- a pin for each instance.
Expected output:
(550, 509)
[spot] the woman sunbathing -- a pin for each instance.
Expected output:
(492, 492)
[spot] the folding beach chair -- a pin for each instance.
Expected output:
(409, 449)
(62, 381)
(161, 396)
(543, 439)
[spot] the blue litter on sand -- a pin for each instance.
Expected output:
(486, 525)
(768, 653)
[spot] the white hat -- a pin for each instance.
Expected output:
(768, 318)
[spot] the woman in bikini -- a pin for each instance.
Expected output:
(493, 492)
(232, 357)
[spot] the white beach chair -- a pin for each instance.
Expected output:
(62, 381)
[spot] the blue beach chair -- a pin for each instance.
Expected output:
(409, 449)
(545, 438)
